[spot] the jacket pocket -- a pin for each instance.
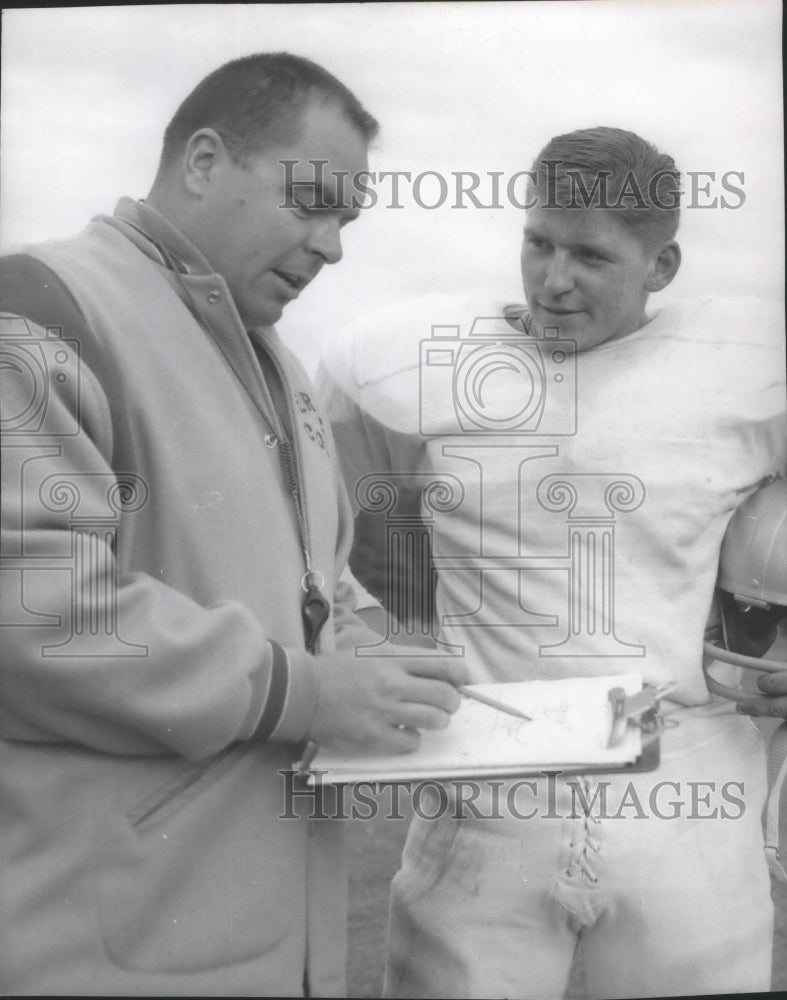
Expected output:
(200, 874)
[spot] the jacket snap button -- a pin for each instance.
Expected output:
(214, 297)
(271, 440)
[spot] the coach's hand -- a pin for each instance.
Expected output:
(379, 703)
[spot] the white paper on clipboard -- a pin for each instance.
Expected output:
(570, 729)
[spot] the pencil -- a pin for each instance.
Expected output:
(499, 705)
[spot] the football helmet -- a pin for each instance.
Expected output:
(752, 582)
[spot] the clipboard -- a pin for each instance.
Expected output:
(587, 725)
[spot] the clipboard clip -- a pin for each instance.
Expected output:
(640, 709)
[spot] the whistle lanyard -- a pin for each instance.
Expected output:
(315, 609)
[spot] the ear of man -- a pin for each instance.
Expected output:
(204, 154)
(664, 265)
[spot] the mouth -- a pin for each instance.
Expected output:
(293, 283)
(555, 311)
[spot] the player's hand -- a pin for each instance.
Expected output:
(379, 703)
(774, 686)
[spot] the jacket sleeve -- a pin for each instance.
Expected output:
(196, 678)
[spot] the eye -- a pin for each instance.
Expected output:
(306, 201)
(536, 243)
(300, 202)
(305, 209)
(301, 209)
(591, 257)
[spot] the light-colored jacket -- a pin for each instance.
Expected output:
(153, 675)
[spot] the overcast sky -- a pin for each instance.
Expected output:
(87, 92)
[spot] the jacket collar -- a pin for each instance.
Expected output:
(206, 294)
(154, 232)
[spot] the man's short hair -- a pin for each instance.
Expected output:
(258, 100)
(610, 168)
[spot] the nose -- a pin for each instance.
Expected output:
(559, 277)
(325, 240)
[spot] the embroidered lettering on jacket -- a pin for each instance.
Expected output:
(314, 426)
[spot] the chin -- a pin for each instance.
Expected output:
(262, 317)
